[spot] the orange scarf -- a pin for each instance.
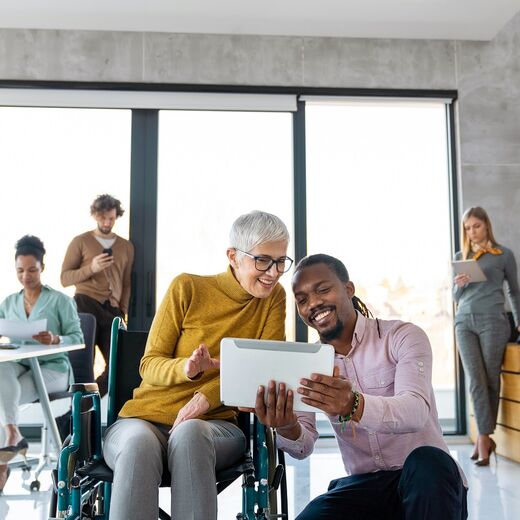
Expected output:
(484, 250)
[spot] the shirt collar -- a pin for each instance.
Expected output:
(359, 330)
(231, 287)
(45, 288)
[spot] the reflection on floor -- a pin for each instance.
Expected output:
(494, 491)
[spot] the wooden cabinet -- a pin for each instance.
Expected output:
(507, 433)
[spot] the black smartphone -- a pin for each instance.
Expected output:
(9, 346)
(108, 251)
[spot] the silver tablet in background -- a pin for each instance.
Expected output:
(471, 268)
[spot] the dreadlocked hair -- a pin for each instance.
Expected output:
(361, 307)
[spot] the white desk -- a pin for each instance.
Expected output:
(32, 352)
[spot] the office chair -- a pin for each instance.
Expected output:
(82, 363)
(83, 480)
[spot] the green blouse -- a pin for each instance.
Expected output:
(62, 319)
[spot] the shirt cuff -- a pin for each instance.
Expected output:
(373, 412)
(292, 446)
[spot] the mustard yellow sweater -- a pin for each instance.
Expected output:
(195, 310)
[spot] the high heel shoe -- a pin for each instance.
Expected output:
(6, 478)
(474, 455)
(484, 461)
(10, 452)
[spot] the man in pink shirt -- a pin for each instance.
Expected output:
(380, 403)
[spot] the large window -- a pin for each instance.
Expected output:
(378, 198)
(54, 162)
(213, 167)
(373, 185)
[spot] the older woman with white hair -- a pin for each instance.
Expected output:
(175, 419)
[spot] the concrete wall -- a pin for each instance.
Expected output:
(488, 81)
(486, 74)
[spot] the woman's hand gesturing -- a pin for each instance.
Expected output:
(200, 361)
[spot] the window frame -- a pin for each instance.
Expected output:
(143, 179)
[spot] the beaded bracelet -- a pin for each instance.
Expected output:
(343, 419)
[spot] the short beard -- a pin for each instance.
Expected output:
(334, 333)
(104, 232)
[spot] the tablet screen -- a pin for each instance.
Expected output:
(470, 268)
(246, 364)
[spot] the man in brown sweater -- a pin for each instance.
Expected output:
(99, 264)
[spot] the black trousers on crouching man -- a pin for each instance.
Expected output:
(428, 487)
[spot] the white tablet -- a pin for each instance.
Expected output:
(471, 268)
(245, 364)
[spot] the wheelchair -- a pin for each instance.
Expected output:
(82, 480)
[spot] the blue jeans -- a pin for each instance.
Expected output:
(428, 487)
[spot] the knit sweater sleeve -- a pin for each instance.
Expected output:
(71, 271)
(159, 366)
(457, 291)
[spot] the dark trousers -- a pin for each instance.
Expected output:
(428, 487)
(104, 314)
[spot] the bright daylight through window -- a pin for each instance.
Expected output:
(378, 198)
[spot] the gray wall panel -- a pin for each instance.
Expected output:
(223, 59)
(364, 63)
(496, 188)
(70, 55)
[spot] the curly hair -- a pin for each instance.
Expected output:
(104, 203)
(30, 245)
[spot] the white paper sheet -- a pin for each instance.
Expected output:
(22, 329)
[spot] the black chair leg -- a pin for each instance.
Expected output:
(53, 503)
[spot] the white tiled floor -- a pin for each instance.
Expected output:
(494, 491)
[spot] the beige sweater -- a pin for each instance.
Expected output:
(195, 310)
(112, 284)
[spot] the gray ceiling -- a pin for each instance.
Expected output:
(423, 19)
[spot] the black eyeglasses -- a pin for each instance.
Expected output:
(264, 263)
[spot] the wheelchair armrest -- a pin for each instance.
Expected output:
(84, 388)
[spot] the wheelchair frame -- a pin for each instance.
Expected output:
(81, 495)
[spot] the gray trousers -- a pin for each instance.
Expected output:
(482, 340)
(17, 387)
(139, 450)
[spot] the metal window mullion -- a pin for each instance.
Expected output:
(300, 200)
(143, 216)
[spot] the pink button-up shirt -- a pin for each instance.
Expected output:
(392, 368)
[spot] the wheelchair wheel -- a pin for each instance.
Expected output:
(272, 461)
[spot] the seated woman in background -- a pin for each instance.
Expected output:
(481, 326)
(34, 302)
(181, 383)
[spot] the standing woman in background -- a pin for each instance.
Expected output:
(481, 325)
